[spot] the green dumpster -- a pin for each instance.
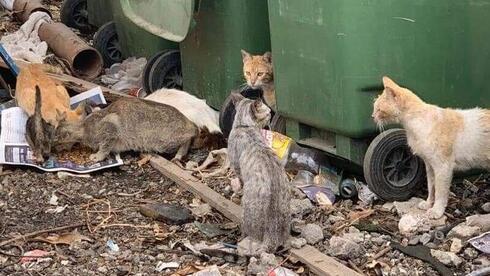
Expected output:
(211, 34)
(329, 57)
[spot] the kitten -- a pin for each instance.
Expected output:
(446, 139)
(39, 133)
(129, 124)
(54, 95)
(266, 192)
(196, 110)
(259, 74)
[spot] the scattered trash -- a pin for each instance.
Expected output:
(68, 238)
(481, 272)
(365, 194)
(210, 230)
(126, 75)
(348, 188)
(481, 242)
(34, 255)
(209, 271)
(161, 266)
(25, 43)
(112, 246)
(167, 213)
(323, 196)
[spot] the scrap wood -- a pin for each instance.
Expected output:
(318, 262)
(37, 233)
(422, 252)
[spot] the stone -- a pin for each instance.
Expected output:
(456, 245)
(379, 241)
(262, 265)
(102, 269)
(249, 247)
(312, 233)
(201, 210)
(447, 258)
(333, 219)
(168, 213)
(418, 222)
(345, 248)
(355, 237)
(297, 242)
(425, 238)
(470, 253)
(406, 207)
(301, 207)
(463, 231)
(480, 221)
(486, 207)
(414, 240)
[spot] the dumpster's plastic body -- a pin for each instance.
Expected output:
(99, 12)
(211, 58)
(329, 54)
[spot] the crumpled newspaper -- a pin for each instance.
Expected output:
(126, 75)
(25, 43)
(8, 4)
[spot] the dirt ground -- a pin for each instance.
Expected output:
(106, 205)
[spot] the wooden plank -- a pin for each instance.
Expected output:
(187, 181)
(318, 262)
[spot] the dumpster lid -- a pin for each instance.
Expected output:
(168, 19)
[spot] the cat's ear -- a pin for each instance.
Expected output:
(245, 55)
(60, 116)
(236, 97)
(387, 82)
(267, 57)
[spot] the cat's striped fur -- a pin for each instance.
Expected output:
(266, 192)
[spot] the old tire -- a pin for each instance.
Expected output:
(227, 112)
(164, 70)
(107, 43)
(390, 168)
(73, 13)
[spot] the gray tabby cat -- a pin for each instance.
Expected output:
(130, 124)
(266, 192)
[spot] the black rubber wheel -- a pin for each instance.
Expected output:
(390, 168)
(165, 71)
(73, 13)
(227, 112)
(147, 69)
(107, 43)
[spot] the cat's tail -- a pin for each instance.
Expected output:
(37, 109)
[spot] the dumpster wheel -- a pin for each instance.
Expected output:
(390, 168)
(73, 13)
(107, 43)
(163, 70)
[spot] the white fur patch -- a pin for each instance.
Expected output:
(195, 109)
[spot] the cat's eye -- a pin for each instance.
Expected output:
(247, 73)
(260, 74)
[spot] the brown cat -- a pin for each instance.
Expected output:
(259, 74)
(54, 96)
(446, 139)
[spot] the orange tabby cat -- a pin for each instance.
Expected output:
(446, 139)
(259, 75)
(54, 96)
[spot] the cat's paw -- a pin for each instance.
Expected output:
(435, 212)
(97, 157)
(177, 162)
(425, 205)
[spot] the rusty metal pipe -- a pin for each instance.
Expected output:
(24, 8)
(84, 61)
